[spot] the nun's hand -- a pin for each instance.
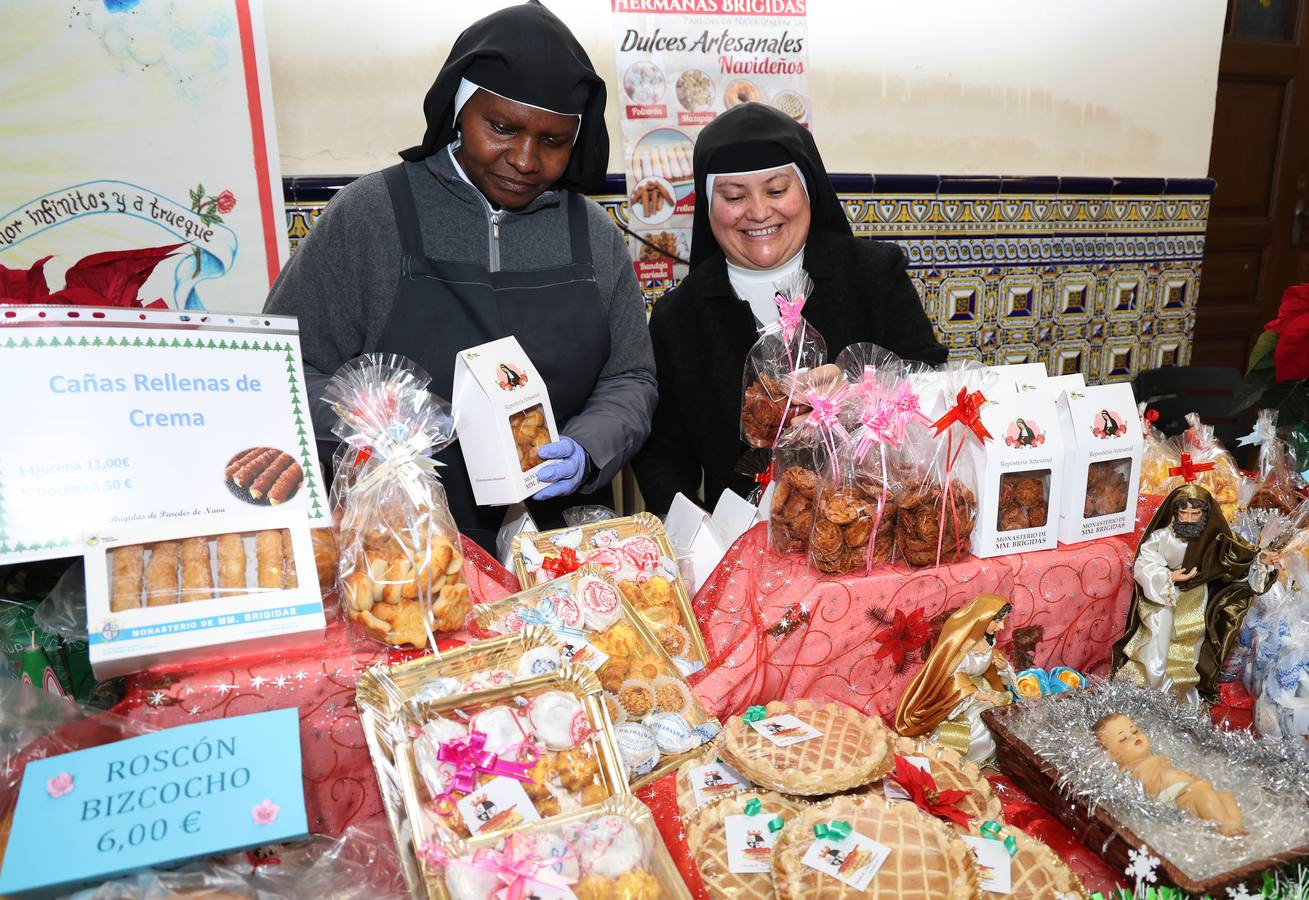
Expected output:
(566, 473)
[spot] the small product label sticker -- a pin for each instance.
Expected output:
(993, 864)
(500, 803)
(853, 860)
(581, 652)
(713, 780)
(785, 730)
(891, 790)
(750, 843)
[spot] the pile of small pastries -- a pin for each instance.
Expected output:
(552, 732)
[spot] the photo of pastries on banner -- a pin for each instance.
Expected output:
(263, 476)
(530, 434)
(167, 572)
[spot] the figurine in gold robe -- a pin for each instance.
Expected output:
(964, 676)
(1191, 594)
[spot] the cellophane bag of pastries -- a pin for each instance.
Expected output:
(800, 455)
(1221, 477)
(938, 508)
(769, 389)
(609, 851)
(400, 563)
(1159, 454)
(855, 508)
(1277, 484)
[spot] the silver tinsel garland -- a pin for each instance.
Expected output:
(1270, 779)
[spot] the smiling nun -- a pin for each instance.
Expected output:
(764, 210)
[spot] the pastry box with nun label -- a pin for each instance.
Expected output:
(1102, 461)
(503, 417)
(1019, 471)
(182, 590)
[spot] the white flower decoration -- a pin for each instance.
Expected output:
(1142, 866)
(1240, 893)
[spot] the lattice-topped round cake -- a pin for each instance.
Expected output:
(928, 861)
(1037, 873)
(851, 750)
(706, 836)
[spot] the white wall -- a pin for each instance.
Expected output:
(1015, 87)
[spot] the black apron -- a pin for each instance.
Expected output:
(557, 315)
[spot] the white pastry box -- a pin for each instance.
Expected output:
(1060, 383)
(503, 416)
(1019, 471)
(1102, 462)
(174, 591)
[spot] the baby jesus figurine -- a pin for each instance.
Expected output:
(1130, 750)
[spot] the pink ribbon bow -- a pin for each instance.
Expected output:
(516, 866)
(880, 427)
(789, 313)
(907, 410)
(470, 757)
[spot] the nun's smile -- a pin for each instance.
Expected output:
(760, 219)
(510, 151)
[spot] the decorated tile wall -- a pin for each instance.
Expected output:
(1098, 276)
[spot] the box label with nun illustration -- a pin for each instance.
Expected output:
(503, 417)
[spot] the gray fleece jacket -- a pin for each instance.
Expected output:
(341, 284)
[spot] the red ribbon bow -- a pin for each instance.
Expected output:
(564, 564)
(1149, 418)
(470, 757)
(1190, 471)
(967, 410)
(764, 478)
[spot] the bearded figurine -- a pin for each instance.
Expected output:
(1194, 583)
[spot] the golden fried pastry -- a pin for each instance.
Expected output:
(576, 768)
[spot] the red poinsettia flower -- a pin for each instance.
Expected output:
(922, 790)
(903, 636)
(101, 279)
(1291, 355)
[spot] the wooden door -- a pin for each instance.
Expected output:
(1260, 159)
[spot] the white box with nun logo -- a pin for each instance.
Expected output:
(1019, 473)
(502, 416)
(1102, 446)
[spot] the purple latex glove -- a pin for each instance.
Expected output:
(566, 473)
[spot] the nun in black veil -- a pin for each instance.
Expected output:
(764, 210)
(484, 231)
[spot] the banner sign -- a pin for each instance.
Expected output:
(681, 63)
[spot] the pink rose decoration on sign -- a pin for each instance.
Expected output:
(60, 785)
(226, 202)
(265, 812)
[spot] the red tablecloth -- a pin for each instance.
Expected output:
(318, 678)
(777, 629)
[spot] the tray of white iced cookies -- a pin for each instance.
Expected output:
(612, 851)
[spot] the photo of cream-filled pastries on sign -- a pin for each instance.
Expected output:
(263, 476)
